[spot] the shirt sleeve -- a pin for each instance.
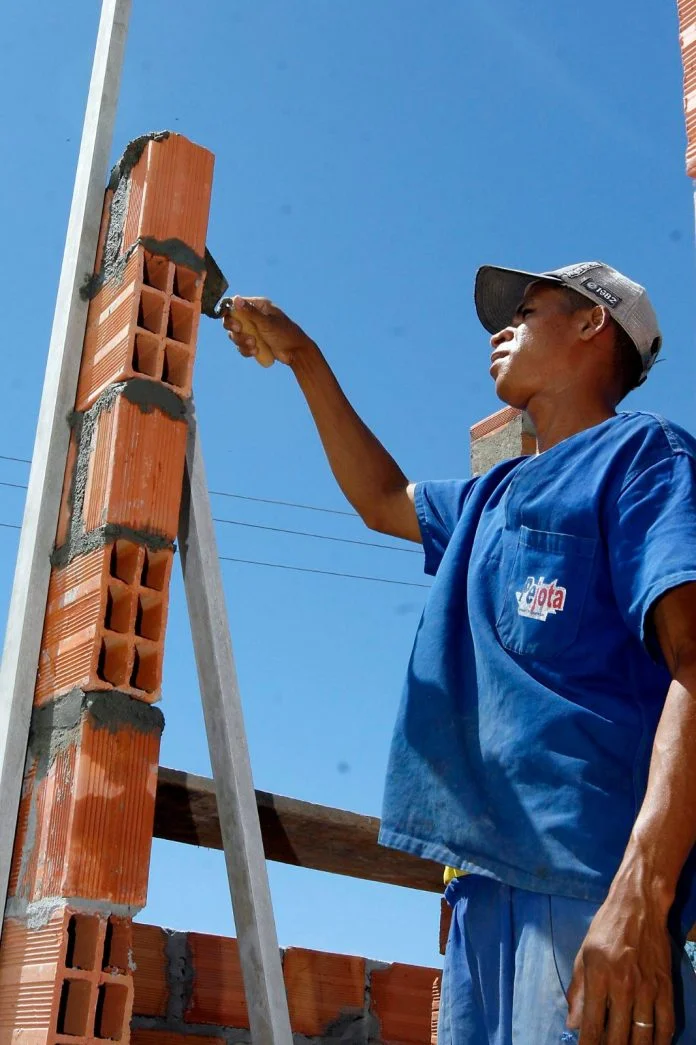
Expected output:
(652, 540)
(439, 506)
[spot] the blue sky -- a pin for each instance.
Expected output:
(369, 158)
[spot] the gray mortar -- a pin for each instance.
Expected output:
(180, 974)
(147, 396)
(111, 265)
(56, 725)
(39, 912)
(115, 254)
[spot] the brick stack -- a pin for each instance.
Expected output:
(506, 433)
(84, 832)
(687, 39)
(188, 990)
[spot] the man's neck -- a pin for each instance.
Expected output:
(555, 419)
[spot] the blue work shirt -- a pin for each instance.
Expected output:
(524, 736)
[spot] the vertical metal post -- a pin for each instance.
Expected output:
(28, 600)
(229, 756)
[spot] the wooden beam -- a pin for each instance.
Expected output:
(293, 832)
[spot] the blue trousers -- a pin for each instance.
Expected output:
(509, 963)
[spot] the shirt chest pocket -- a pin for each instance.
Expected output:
(544, 593)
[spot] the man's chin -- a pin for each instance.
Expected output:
(511, 396)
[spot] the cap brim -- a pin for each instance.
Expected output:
(499, 291)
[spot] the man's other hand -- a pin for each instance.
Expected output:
(621, 991)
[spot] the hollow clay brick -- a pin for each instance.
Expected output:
(53, 984)
(151, 988)
(136, 470)
(128, 324)
(445, 922)
(105, 621)
(169, 194)
(217, 995)
(322, 987)
(402, 998)
(165, 1037)
(65, 513)
(21, 829)
(93, 814)
(437, 990)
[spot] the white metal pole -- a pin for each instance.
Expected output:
(229, 755)
(28, 600)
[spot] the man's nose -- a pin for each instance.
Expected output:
(507, 334)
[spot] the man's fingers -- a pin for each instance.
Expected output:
(664, 1013)
(575, 996)
(594, 1012)
(263, 305)
(619, 1022)
(247, 350)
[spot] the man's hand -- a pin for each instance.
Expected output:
(283, 337)
(621, 991)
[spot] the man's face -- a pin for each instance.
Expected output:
(535, 353)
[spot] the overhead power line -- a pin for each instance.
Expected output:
(282, 529)
(319, 536)
(295, 569)
(327, 573)
(227, 493)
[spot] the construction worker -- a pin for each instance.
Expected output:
(543, 749)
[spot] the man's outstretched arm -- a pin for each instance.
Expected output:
(368, 476)
(622, 982)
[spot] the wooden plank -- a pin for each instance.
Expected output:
(293, 832)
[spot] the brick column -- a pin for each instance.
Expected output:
(84, 833)
(507, 433)
(687, 39)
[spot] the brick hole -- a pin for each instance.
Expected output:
(155, 271)
(176, 368)
(117, 946)
(83, 935)
(187, 284)
(145, 674)
(150, 310)
(117, 616)
(111, 1015)
(154, 573)
(125, 561)
(148, 618)
(73, 1010)
(112, 666)
(180, 321)
(146, 355)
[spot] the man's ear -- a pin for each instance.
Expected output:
(593, 322)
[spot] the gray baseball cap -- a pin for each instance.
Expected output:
(499, 291)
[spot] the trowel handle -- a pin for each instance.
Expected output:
(264, 356)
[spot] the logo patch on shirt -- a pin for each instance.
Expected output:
(538, 598)
(601, 292)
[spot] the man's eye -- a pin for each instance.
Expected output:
(524, 312)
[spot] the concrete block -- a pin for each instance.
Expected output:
(506, 433)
